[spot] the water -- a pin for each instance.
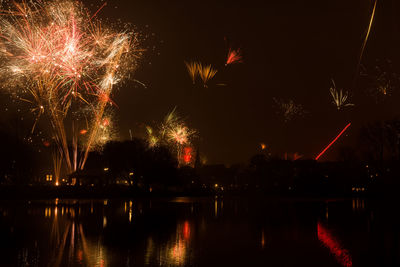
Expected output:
(199, 232)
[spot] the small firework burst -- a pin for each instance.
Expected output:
(206, 73)
(172, 133)
(340, 97)
(105, 133)
(263, 146)
(152, 139)
(180, 134)
(193, 70)
(170, 120)
(382, 81)
(234, 56)
(289, 109)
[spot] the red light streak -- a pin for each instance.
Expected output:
(342, 255)
(334, 140)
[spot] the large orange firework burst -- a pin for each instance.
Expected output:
(63, 60)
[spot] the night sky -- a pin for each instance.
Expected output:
(291, 50)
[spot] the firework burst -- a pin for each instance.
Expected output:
(67, 60)
(172, 133)
(180, 134)
(234, 56)
(339, 96)
(289, 109)
(381, 81)
(152, 139)
(192, 68)
(206, 73)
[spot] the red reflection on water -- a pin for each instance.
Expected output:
(342, 255)
(186, 230)
(80, 256)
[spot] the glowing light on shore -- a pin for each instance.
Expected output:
(263, 146)
(333, 141)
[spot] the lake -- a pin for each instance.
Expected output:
(199, 232)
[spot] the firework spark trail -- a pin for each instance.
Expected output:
(365, 41)
(206, 72)
(62, 55)
(107, 86)
(333, 141)
(57, 164)
(339, 96)
(234, 56)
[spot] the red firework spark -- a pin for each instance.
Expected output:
(234, 56)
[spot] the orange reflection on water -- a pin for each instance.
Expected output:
(178, 253)
(68, 241)
(186, 230)
(262, 238)
(358, 204)
(173, 252)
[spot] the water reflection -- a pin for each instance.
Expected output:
(174, 252)
(358, 204)
(341, 254)
(69, 242)
(197, 232)
(262, 238)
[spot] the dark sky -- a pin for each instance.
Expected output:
(291, 49)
